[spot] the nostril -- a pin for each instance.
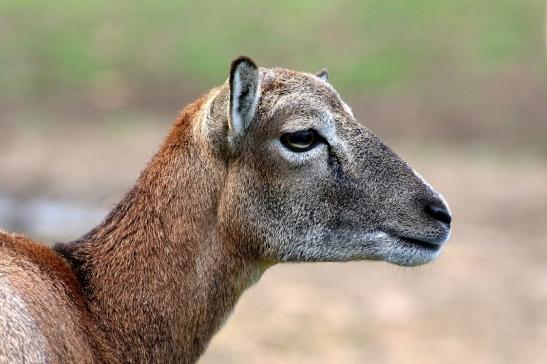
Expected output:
(438, 212)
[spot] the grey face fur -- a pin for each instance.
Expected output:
(348, 197)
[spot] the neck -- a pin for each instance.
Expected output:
(160, 275)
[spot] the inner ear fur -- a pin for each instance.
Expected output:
(244, 94)
(323, 74)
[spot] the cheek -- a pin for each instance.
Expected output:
(270, 201)
(350, 203)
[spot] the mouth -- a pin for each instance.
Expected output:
(425, 245)
(406, 251)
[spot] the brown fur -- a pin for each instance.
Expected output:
(125, 282)
(37, 272)
(151, 249)
(46, 260)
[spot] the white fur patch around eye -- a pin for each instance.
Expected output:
(326, 129)
(298, 158)
(378, 235)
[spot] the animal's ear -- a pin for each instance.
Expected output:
(244, 94)
(323, 74)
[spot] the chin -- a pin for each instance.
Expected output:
(408, 252)
(411, 259)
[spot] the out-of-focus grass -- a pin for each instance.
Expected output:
(369, 45)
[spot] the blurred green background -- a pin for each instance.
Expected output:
(89, 88)
(451, 60)
(54, 45)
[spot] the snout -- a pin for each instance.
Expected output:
(420, 232)
(438, 211)
(431, 222)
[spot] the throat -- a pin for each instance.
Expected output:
(155, 298)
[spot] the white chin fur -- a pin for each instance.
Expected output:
(394, 250)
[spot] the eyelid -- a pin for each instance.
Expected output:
(296, 129)
(300, 129)
(320, 137)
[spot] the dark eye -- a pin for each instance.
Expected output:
(301, 141)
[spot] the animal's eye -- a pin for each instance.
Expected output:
(301, 141)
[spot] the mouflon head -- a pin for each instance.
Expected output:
(306, 182)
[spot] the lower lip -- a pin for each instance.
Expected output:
(421, 244)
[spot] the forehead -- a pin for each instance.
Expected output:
(290, 92)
